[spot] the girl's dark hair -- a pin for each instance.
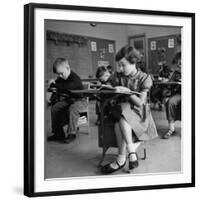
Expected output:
(57, 62)
(110, 68)
(131, 54)
(100, 71)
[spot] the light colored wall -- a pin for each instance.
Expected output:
(119, 32)
(152, 31)
(104, 31)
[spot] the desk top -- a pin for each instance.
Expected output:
(93, 92)
(102, 92)
(166, 83)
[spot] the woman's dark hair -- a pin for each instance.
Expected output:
(57, 62)
(100, 71)
(131, 54)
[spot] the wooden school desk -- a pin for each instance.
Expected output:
(106, 135)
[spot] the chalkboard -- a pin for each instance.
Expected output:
(79, 58)
(85, 54)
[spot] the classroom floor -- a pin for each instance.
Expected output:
(81, 157)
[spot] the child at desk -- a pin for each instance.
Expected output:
(135, 121)
(65, 110)
(173, 103)
(103, 74)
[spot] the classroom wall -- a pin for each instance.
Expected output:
(152, 31)
(104, 31)
(117, 32)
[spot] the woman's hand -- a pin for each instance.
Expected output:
(122, 89)
(139, 101)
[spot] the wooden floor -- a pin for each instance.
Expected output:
(81, 157)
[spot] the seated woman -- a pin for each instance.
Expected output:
(135, 121)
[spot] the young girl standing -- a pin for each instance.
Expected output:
(135, 121)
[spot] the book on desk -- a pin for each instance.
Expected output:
(107, 90)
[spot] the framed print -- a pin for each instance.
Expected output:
(108, 99)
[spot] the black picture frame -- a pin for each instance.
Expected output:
(29, 94)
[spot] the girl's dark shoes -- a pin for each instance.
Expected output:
(135, 163)
(107, 169)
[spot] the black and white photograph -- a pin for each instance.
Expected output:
(111, 98)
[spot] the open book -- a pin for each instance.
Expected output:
(103, 89)
(106, 87)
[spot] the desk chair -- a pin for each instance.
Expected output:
(106, 134)
(84, 120)
(110, 140)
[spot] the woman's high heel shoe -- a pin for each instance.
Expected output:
(135, 163)
(107, 169)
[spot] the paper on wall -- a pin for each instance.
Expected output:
(103, 63)
(171, 43)
(153, 45)
(93, 46)
(110, 48)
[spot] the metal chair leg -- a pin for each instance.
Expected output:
(144, 154)
(102, 158)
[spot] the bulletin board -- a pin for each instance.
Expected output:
(103, 52)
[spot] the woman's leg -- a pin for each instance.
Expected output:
(126, 131)
(124, 138)
(120, 140)
(121, 157)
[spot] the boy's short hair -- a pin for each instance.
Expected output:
(100, 71)
(57, 62)
(130, 53)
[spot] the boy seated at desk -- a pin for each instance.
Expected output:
(173, 102)
(65, 108)
(158, 93)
